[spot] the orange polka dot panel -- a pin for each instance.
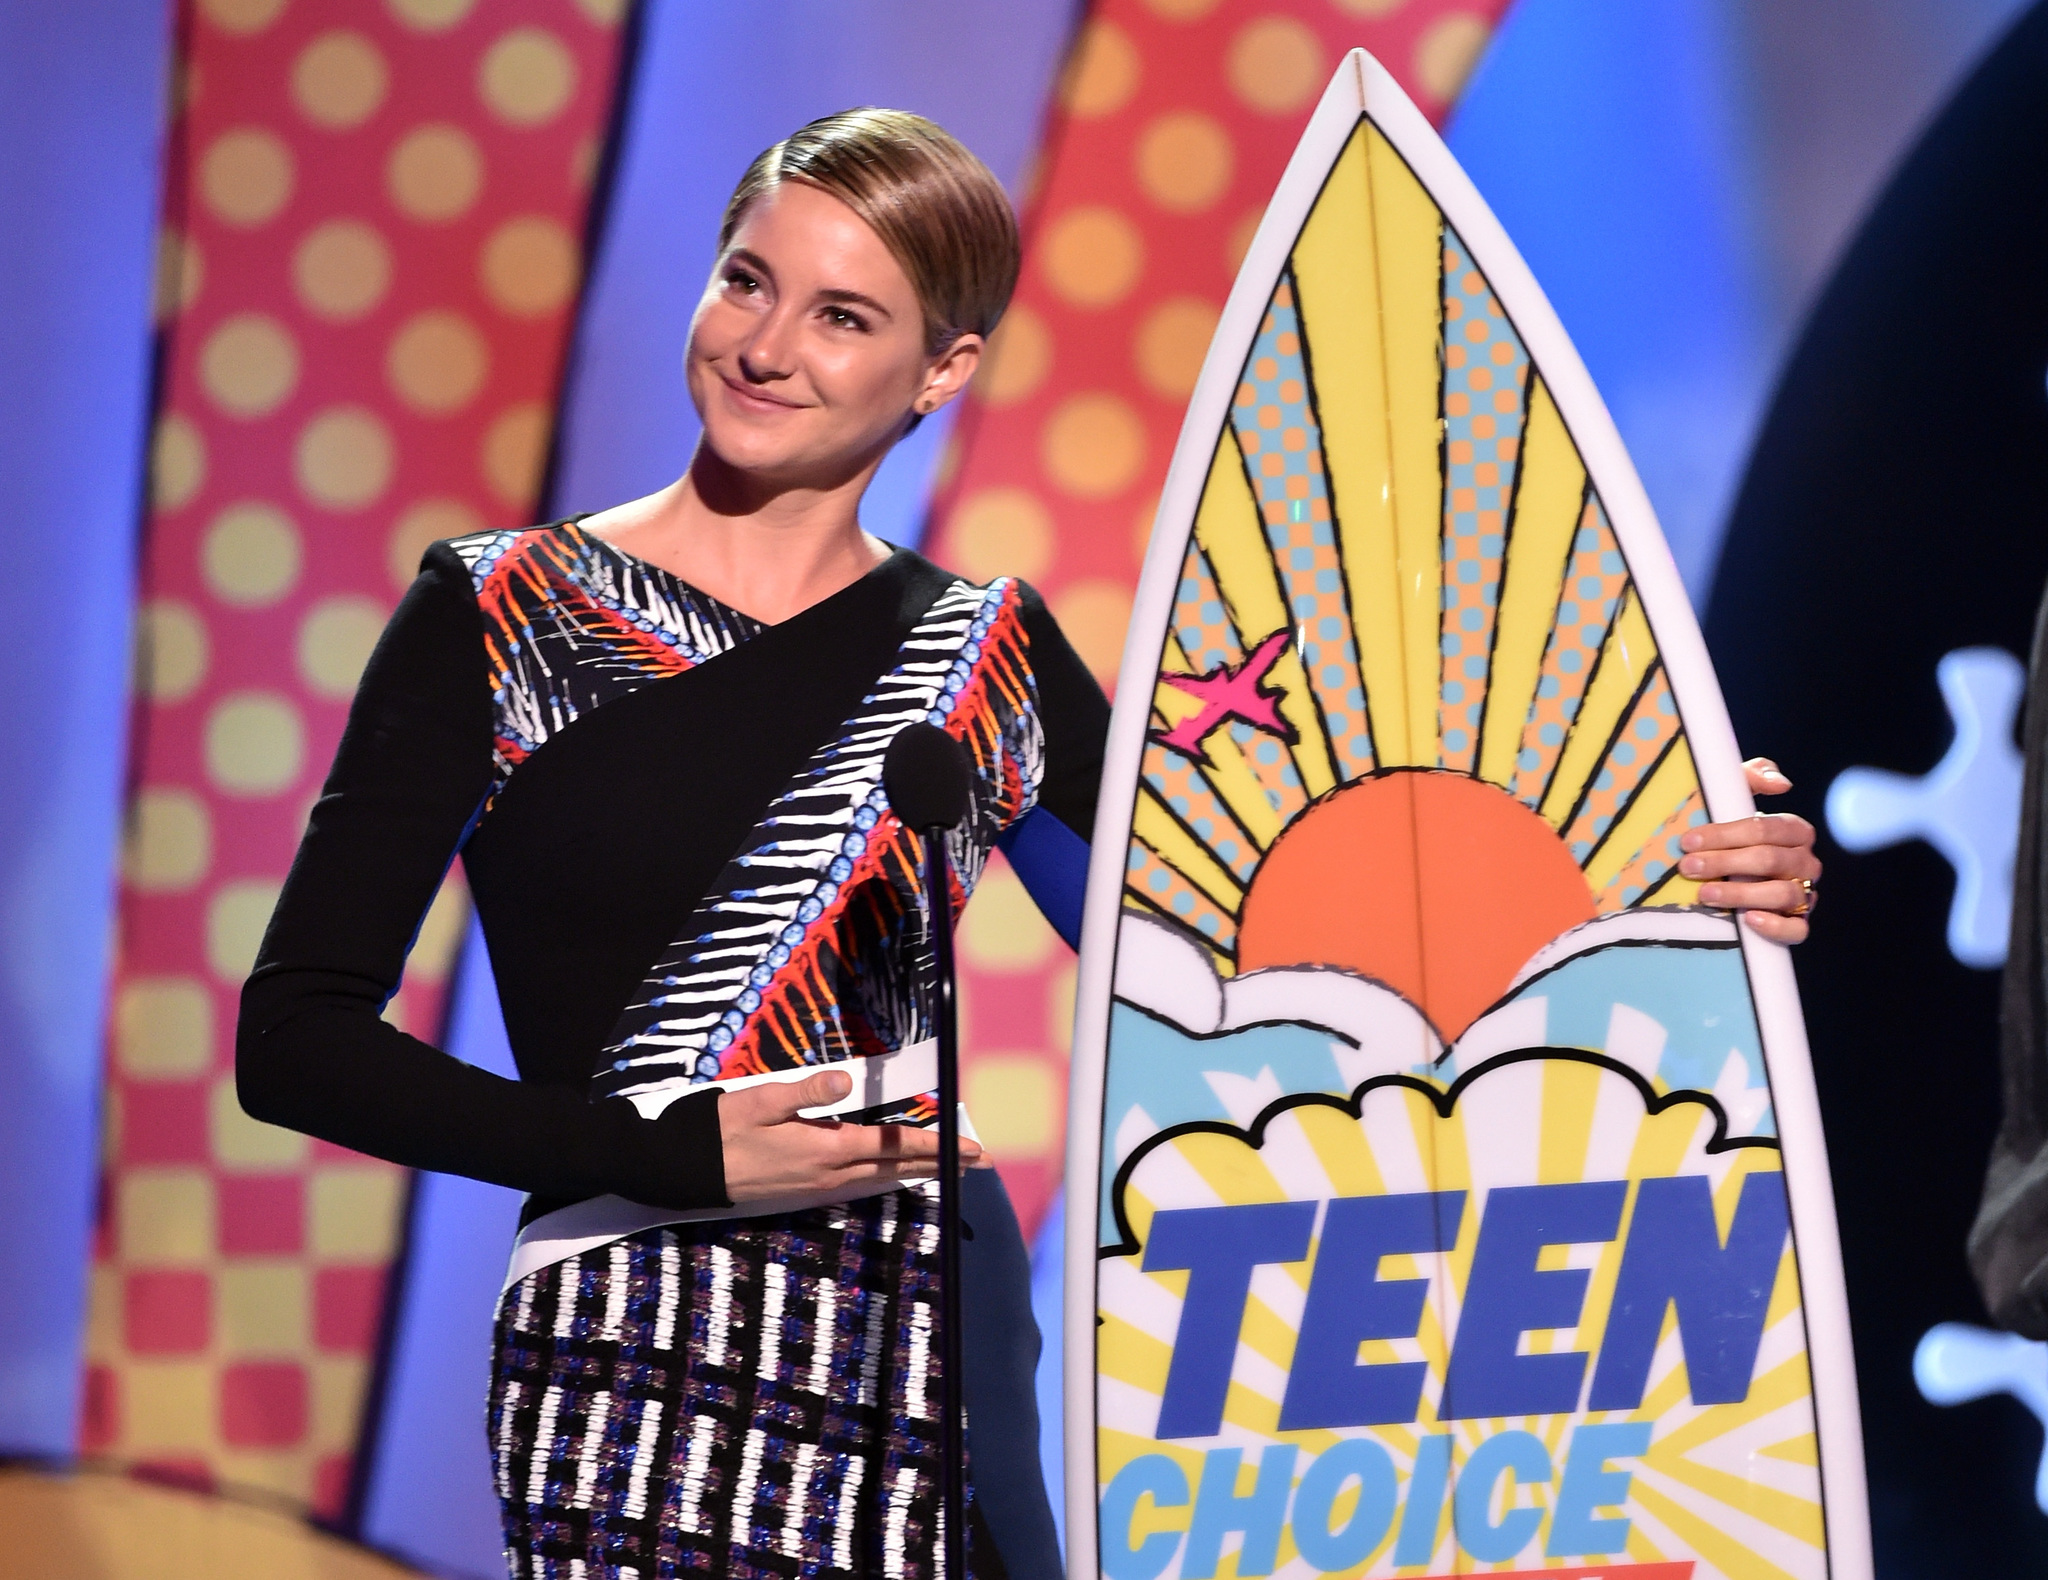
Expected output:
(1486, 377)
(371, 259)
(1593, 587)
(1175, 120)
(1281, 444)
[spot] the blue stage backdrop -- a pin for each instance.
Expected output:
(81, 106)
(1681, 177)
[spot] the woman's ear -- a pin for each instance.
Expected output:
(949, 374)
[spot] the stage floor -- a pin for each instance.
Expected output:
(98, 1526)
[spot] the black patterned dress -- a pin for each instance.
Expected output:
(671, 821)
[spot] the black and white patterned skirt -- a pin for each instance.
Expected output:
(753, 1397)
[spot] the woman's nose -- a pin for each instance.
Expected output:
(769, 353)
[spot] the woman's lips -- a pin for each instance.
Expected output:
(749, 399)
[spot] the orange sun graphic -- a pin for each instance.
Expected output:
(1437, 884)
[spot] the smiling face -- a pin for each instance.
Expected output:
(808, 354)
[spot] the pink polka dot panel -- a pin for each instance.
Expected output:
(384, 211)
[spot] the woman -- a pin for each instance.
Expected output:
(654, 734)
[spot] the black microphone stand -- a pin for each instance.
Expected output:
(952, 1445)
(929, 782)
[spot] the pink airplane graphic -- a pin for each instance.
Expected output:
(1228, 694)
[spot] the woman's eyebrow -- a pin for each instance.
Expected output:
(760, 265)
(854, 298)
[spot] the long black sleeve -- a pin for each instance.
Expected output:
(1074, 714)
(1049, 846)
(311, 1052)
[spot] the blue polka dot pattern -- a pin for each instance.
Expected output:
(1485, 398)
(1593, 581)
(1275, 422)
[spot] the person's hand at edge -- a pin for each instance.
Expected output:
(1762, 866)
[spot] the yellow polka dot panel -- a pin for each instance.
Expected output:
(367, 275)
(1171, 124)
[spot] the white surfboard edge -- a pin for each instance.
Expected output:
(1363, 87)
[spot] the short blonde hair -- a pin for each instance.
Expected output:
(938, 209)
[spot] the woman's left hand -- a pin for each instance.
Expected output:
(1762, 866)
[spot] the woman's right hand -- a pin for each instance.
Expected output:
(770, 1152)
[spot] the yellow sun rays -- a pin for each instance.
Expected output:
(1398, 500)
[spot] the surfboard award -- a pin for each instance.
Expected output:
(1446, 1185)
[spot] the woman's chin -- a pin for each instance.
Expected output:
(782, 461)
(754, 450)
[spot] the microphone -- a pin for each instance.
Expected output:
(928, 780)
(926, 776)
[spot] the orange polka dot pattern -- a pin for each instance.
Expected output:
(1586, 607)
(1207, 639)
(1649, 873)
(1282, 444)
(1203, 639)
(372, 227)
(1188, 795)
(1153, 883)
(1486, 378)
(1648, 730)
(1120, 243)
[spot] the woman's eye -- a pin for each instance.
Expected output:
(840, 318)
(740, 280)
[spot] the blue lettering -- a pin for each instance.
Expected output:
(1219, 1510)
(1590, 1485)
(1218, 1247)
(1348, 1303)
(1427, 1482)
(1519, 1453)
(1168, 1485)
(1506, 1296)
(1675, 1256)
(1330, 1550)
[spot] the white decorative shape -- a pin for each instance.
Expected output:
(1637, 1040)
(1648, 925)
(1521, 1023)
(1162, 971)
(1158, 970)
(1244, 1097)
(1955, 1363)
(1742, 1103)
(1385, 1026)
(1967, 807)
(1135, 1127)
